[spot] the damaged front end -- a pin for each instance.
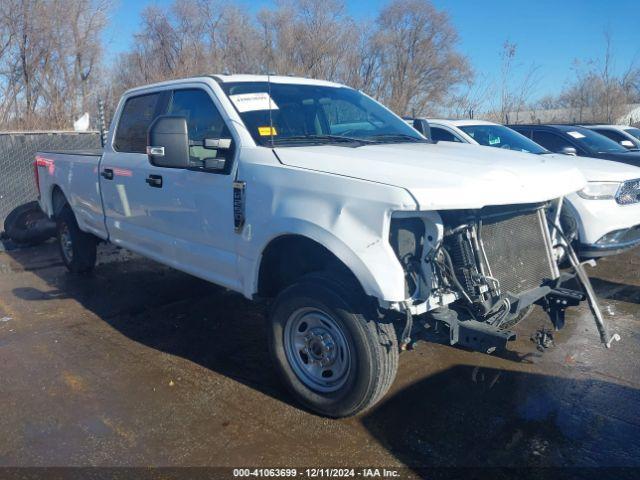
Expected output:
(479, 272)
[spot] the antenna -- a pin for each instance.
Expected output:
(270, 109)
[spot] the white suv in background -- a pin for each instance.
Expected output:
(605, 214)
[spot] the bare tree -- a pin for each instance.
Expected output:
(517, 85)
(468, 99)
(49, 53)
(597, 93)
(312, 38)
(419, 64)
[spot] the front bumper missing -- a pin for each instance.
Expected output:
(612, 243)
(487, 338)
(555, 299)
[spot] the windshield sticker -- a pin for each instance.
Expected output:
(250, 102)
(494, 141)
(267, 131)
(575, 134)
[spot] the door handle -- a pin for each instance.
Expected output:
(154, 181)
(107, 173)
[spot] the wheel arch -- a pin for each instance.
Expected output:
(57, 199)
(331, 251)
(288, 257)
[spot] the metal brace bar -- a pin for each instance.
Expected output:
(605, 337)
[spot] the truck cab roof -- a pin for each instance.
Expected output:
(237, 78)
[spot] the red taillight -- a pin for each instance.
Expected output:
(42, 162)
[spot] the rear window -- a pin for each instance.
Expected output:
(137, 115)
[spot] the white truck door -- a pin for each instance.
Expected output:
(194, 206)
(129, 203)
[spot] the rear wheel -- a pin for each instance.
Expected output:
(335, 358)
(77, 248)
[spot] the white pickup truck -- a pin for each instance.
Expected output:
(314, 195)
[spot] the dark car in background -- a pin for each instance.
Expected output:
(577, 140)
(625, 135)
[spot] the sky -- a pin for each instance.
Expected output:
(548, 33)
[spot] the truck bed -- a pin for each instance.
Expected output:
(75, 173)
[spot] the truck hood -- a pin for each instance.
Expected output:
(445, 175)
(599, 170)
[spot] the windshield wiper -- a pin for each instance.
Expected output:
(397, 138)
(318, 140)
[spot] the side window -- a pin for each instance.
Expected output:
(137, 115)
(551, 141)
(203, 121)
(524, 131)
(441, 135)
(613, 135)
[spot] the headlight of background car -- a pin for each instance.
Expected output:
(599, 190)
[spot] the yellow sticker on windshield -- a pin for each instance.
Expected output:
(267, 131)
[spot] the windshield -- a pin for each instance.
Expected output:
(633, 131)
(291, 114)
(595, 142)
(502, 137)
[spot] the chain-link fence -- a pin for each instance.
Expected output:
(17, 152)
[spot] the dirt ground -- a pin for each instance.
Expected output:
(141, 365)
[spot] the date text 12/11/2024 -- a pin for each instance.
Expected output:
(317, 472)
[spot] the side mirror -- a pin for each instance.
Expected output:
(215, 162)
(168, 142)
(421, 125)
(568, 151)
(217, 143)
(627, 144)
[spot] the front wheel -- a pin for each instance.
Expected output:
(333, 356)
(77, 248)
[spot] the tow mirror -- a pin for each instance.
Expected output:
(214, 163)
(217, 143)
(421, 125)
(568, 151)
(627, 144)
(168, 142)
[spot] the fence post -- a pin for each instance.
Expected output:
(103, 129)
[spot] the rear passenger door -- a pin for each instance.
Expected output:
(128, 202)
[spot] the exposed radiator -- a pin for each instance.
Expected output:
(517, 249)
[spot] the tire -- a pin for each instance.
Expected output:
(329, 319)
(77, 248)
(28, 225)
